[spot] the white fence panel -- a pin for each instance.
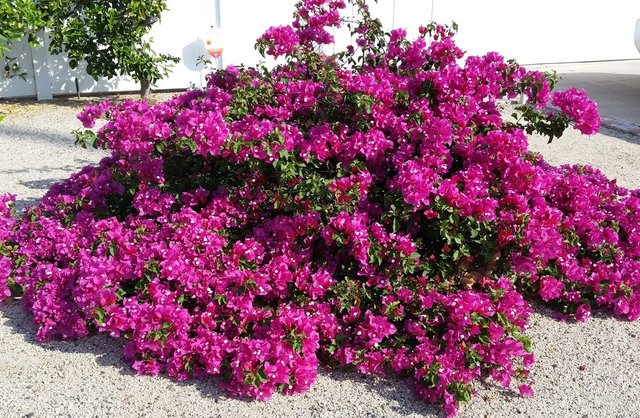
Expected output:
(544, 31)
(243, 21)
(15, 86)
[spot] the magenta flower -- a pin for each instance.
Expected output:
(370, 209)
(281, 40)
(550, 288)
(575, 104)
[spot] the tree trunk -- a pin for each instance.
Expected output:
(145, 88)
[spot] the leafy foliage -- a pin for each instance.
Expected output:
(111, 38)
(17, 19)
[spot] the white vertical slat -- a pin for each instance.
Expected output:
(15, 86)
(41, 68)
(243, 21)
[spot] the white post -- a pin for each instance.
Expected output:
(393, 16)
(218, 14)
(219, 27)
(41, 73)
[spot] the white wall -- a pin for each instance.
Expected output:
(545, 31)
(179, 33)
(11, 87)
(243, 21)
(532, 31)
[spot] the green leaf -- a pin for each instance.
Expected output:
(484, 339)
(474, 359)
(461, 391)
(85, 138)
(185, 142)
(100, 315)
(112, 250)
(502, 319)
(261, 376)
(249, 378)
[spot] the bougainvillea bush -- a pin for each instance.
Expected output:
(371, 210)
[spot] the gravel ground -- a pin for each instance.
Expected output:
(583, 370)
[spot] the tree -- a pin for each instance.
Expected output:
(17, 19)
(111, 37)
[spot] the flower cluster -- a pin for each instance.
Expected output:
(281, 40)
(575, 104)
(375, 214)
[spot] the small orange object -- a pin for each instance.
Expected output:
(215, 52)
(213, 43)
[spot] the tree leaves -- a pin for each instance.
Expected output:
(109, 37)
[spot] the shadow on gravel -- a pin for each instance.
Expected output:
(43, 184)
(399, 392)
(18, 133)
(21, 204)
(548, 312)
(90, 99)
(108, 353)
(107, 350)
(73, 102)
(76, 166)
(620, 134)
